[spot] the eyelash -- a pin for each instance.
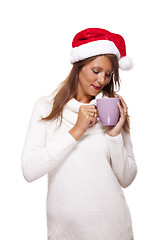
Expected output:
(95, 71)
(107, 75)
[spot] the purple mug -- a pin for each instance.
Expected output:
(108, 111)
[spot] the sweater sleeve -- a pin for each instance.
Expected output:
(122, 158)
(38, 156)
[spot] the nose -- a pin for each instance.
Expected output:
(101, 79)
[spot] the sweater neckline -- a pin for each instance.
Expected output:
(70, 114)
(74, 104)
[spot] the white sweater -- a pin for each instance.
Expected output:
(85, 200)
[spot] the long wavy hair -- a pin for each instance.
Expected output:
(68, 89)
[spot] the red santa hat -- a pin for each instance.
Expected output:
(96, 41)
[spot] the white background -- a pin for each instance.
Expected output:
(35, 45)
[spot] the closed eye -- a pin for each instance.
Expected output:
(95, 71)
(109, 74)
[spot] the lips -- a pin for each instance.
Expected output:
(96, 88)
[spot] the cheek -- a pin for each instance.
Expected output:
(89, 77)
(86, 77)
(107, 81)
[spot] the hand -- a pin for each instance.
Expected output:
(114, 131)
(87, 117)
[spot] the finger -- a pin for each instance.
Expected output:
(124, 105)
(122, 101)
(93, 114)
(118, 96)
(92, 121)
(122, 113)
(94, 110)
(90, 106)
(90, 111)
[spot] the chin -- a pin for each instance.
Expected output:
(95, 94)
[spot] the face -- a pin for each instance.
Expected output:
(93, 77)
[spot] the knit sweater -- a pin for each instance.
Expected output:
(85, 200)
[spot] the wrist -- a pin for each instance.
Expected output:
(112, 134)
(76, 132)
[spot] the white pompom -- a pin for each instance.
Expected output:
(125, 63)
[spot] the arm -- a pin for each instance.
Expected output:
(40, 157)
(122, 158)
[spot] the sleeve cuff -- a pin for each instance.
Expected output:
(115, 139)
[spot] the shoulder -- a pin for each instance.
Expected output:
(43, 105)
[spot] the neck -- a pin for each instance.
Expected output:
(84, 99)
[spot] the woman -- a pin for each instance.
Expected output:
(87, 164)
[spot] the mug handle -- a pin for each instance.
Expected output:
(96, 107)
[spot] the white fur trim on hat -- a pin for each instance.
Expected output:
(92, 49)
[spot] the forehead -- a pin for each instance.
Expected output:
(101, 61)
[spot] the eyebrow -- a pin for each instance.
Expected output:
(102, 68)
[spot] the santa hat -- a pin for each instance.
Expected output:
(96, 41)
